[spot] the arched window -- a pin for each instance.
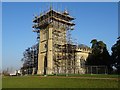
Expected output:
(82, 62)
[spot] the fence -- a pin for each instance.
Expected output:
(72, 70)
(96, 69)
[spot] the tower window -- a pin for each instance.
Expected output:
(45, 46)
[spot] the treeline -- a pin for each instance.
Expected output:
(101, 56)
(98, 57)
(30, 59)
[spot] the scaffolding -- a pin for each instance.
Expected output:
(63, 50)
(55, 51)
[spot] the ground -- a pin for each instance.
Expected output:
(61, 81)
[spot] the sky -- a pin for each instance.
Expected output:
(93, 21)
(0, 38)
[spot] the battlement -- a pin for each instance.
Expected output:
(84, 50)
(52, 16)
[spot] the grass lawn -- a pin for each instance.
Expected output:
(0, 82)
(91, 75)
(59, 82)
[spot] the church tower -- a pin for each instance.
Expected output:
(52, 27)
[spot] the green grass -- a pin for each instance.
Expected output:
(90, 75)
(0, 82)
(57, 82)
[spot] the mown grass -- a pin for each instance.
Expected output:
(89, 75)
(0, 82)
(57, 82)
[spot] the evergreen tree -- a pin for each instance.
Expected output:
(116, 55)
(99, 54)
